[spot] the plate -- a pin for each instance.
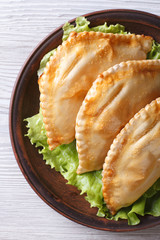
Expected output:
(46, 182)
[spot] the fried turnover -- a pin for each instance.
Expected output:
(71, 71)
(111, 102)
(133, 161)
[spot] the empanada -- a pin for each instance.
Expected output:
(71, 72)
(133, 161)
(111, 102)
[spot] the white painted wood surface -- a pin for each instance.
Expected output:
(23, 215)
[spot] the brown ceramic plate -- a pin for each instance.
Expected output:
(46, 182)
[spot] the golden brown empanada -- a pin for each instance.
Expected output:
(111, 102)
(71, 71)
(133, 161)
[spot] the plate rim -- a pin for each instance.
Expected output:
(11, 130)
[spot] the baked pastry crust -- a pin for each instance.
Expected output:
(71, 71)
(133, 161)
(111, 102)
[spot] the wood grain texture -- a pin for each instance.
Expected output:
(23, 24)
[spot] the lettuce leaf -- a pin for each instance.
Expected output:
(155, 51)
(83, 25)
(65, 158)
(43, 62)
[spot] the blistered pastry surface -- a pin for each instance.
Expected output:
(133, 161)
(71, 71)
(112, 101)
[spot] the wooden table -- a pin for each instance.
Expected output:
(23, 24)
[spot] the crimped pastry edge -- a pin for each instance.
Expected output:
(73, 38)
(138, 64)
(112, 153)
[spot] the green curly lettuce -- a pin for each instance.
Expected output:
(155, 51)
(65, 158)
(82, 24)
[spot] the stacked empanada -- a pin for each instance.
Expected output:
(77, 103)
(71, 71)
(133, 161)
(114, 98)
